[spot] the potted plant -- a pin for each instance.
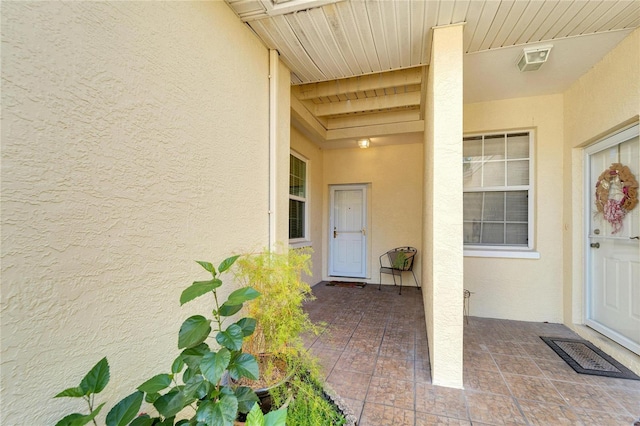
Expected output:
(197, 391)
(281, 320)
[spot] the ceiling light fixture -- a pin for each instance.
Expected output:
(363, 143)
(532, 58)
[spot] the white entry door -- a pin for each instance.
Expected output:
(613, 247)
(348, 231)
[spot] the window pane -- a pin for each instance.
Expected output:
(472, 175)
(518, 172)
(472, 232)
(494, 174)
(472, 148)
(517, 206)
(517, 234)
(518, 145)
(472, 205)
(494, 148)
(493, 233)
(297, 176)
(493, 206)
(296, 219)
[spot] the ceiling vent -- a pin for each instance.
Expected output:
(532, 58)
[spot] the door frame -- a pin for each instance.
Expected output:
(601, 145)
(365, 220)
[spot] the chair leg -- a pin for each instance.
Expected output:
(380, 285)
(414, 278)
(400, 293)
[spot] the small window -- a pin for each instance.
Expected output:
(298, 199)
(497, 199)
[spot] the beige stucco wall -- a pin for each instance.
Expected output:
(395, 198)
(602, 101)
(525, 289)
(315, 156)
(442, 208)
(134, 141)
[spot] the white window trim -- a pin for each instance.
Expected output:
(504, 251)
(306, 240)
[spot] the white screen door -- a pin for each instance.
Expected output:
(348, 231)
(613, 251)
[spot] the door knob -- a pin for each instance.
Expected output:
(595, 245)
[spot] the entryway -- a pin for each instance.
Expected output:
(348, 231)
(613, 240)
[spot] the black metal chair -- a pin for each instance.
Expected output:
(398, 260)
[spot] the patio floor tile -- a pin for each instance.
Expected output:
(376, 357)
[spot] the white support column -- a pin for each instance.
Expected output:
(442, 272)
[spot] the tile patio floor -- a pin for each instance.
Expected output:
(375, 355)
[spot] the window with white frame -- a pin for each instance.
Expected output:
(297, 198)
(498, 205)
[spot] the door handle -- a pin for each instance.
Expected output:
(335, 233)
(595, 245)
(637, 237)
(364, 231)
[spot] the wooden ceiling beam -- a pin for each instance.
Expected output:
(406, 77)
(372, 119)
(301, 115)
(376, 130)
(370, 104)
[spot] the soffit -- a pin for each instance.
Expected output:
(357, 65)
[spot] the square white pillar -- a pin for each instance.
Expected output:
(442, 271)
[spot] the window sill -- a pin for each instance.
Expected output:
(300, 244)
(506, 253)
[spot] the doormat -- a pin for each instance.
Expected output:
(346, 284)
(585, 358)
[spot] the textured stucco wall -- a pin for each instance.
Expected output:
(442, 231)
(603, 100)
(524, 289)
(315, 156)
(134, 141)
(395, 198)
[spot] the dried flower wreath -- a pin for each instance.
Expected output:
(616, 194)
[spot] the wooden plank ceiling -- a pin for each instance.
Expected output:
(357, 66)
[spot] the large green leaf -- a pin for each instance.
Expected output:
(77, 419)
(194, 330)
(248, 326)
(243, 365)
(125, 410)
(142, 420)
(276, 418)
(177, 365)
(231, 338)
(255, 416)
(226, 310)
(219, 413)
(247, 398)
(170, 404)
(226, 264)
(207, 265)
(156, 383)
(71, 392)
(197, 289)
(242, 295)
(193, 356)
(96, 379)
(214, 364)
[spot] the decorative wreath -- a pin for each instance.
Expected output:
(616, 194)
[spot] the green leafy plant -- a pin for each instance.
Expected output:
(201, 379)
(308, 404)
(281, 320)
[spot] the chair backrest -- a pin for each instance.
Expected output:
(401, 258)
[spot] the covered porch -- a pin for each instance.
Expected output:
(375, 355)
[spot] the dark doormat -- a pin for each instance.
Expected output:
(346, 284)
(585, 358)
